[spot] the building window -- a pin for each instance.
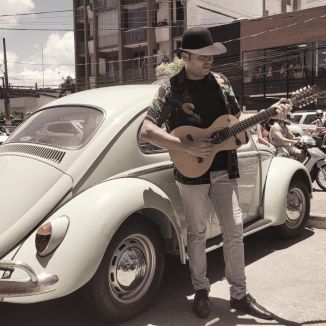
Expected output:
(289, 2)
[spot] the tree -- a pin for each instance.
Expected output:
(67, 87)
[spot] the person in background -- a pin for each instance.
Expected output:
(320, 131)
(284, 141)
(263, 130)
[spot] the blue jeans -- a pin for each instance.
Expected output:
(222, 192)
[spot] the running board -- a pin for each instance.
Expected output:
(249, 228)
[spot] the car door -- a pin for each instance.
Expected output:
(249, 184)
(158, 169)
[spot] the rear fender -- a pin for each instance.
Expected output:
(95, 215)
(280, 174)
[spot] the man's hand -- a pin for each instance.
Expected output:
(198, 148)
(282, 108)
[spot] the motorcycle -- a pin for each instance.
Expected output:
(314, 160)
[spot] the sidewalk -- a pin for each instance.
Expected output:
(318, 208)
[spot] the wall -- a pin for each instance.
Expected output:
(26, 104)
(280, 33)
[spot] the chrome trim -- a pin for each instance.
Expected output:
(151, 170)
(33, 285)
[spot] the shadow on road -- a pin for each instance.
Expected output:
(171, 307)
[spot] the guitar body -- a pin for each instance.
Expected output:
(193, 167)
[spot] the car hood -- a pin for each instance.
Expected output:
(29, 190)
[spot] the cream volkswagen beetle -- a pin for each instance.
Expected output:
(85, 204)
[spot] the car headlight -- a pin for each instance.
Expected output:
(50, 235)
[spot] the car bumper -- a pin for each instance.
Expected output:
(32, 285)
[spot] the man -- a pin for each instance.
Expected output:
(197, 97)
(320, 130)
(283, 140)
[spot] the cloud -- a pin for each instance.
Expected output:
(12, 7)
(58, 59)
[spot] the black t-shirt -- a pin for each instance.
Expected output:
(210, 105)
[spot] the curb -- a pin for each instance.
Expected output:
(317, 221)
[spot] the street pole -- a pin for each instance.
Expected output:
(6, 86)
(43, 67)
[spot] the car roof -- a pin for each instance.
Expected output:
(112, 98)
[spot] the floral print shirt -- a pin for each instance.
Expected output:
(173, 106)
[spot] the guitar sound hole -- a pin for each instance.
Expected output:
(199, 159)
(189, 137)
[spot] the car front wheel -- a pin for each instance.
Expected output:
(297, 210)
(129, 274)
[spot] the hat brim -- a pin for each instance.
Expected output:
(214, 49)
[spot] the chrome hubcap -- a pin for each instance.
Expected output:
(132, 268)
(296, 207)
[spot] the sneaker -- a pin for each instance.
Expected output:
(201, 303)
(249, 305)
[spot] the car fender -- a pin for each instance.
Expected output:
(281, 172)
(94, 217)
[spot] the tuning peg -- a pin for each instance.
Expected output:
(308, 86)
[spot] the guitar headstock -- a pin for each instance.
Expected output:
(305, 96)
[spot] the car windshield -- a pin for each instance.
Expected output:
(66, 127)
(296, 118)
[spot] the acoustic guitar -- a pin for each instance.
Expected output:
(228, 133)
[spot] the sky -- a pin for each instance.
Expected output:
(24, 48)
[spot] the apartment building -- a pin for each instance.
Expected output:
(113, 44)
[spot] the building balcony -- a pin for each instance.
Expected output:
(106, 4)
(81, 48)
(110, 78)
(135, 36)
(80, 14)
(134, 75)
(178, 28)
(108, 41)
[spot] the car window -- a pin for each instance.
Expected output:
(309, 118)
(148, 148)
(66, 127)
(296, 118)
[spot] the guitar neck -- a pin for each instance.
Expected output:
(252, 121)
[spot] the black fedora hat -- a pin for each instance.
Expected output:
(198, 40)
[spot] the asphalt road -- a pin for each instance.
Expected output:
(287, 277)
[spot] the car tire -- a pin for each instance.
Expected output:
(320, 177)
(129, 274)
(297, 210)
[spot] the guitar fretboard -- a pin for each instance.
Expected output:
(243, 125)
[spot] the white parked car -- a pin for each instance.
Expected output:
(3, 135)
(302, 122)
(99, 209)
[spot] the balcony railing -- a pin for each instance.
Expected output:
(136, 75)
(108, 41)
(131, 2)
(109, 78)
(178, 28)
(135, 36)
(106, 4)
